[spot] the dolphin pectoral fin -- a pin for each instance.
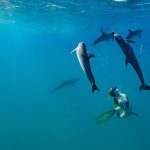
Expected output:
(90, 55)
(72, 51)
(126, 61)
(130, 41)
(103, 33)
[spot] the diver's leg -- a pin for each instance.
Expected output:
(117, 107)
(122, 114)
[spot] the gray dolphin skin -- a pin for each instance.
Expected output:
(104, 37)
(84, 60)
(131, 58)
(134, 33)
(64, 84)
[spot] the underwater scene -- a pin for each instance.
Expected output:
(74, 75)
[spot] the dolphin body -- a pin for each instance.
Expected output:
(84, 60)
(104, 37)
(64, 84)
(131, 58)
(134, 33)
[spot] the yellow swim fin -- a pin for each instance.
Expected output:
(105, 116)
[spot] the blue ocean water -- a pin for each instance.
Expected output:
(36, 38)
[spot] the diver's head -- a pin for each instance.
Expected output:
(112, 91)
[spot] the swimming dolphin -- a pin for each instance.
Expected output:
(84, 60)
(64, 84)
(134, 33)
(104, 37)
(131, 58)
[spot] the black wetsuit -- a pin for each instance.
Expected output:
(116, 102)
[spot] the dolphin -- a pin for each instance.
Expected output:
(134, 33)
(104, 37)
(131, 58)
(64, 84)
(84, 60)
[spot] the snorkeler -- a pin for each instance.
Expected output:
(121, 102)
(122, 106)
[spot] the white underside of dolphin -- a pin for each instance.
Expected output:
(84, 61)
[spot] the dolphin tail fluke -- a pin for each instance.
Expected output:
(94, 88)
(144, 87)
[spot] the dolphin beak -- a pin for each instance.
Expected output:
(72, 51)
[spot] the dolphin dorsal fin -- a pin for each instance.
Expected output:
(130, 30)
(90, 55)
(103, 33)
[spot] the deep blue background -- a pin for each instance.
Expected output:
(36, 37)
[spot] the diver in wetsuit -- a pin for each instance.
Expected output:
(122, 106)
(121, 102)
